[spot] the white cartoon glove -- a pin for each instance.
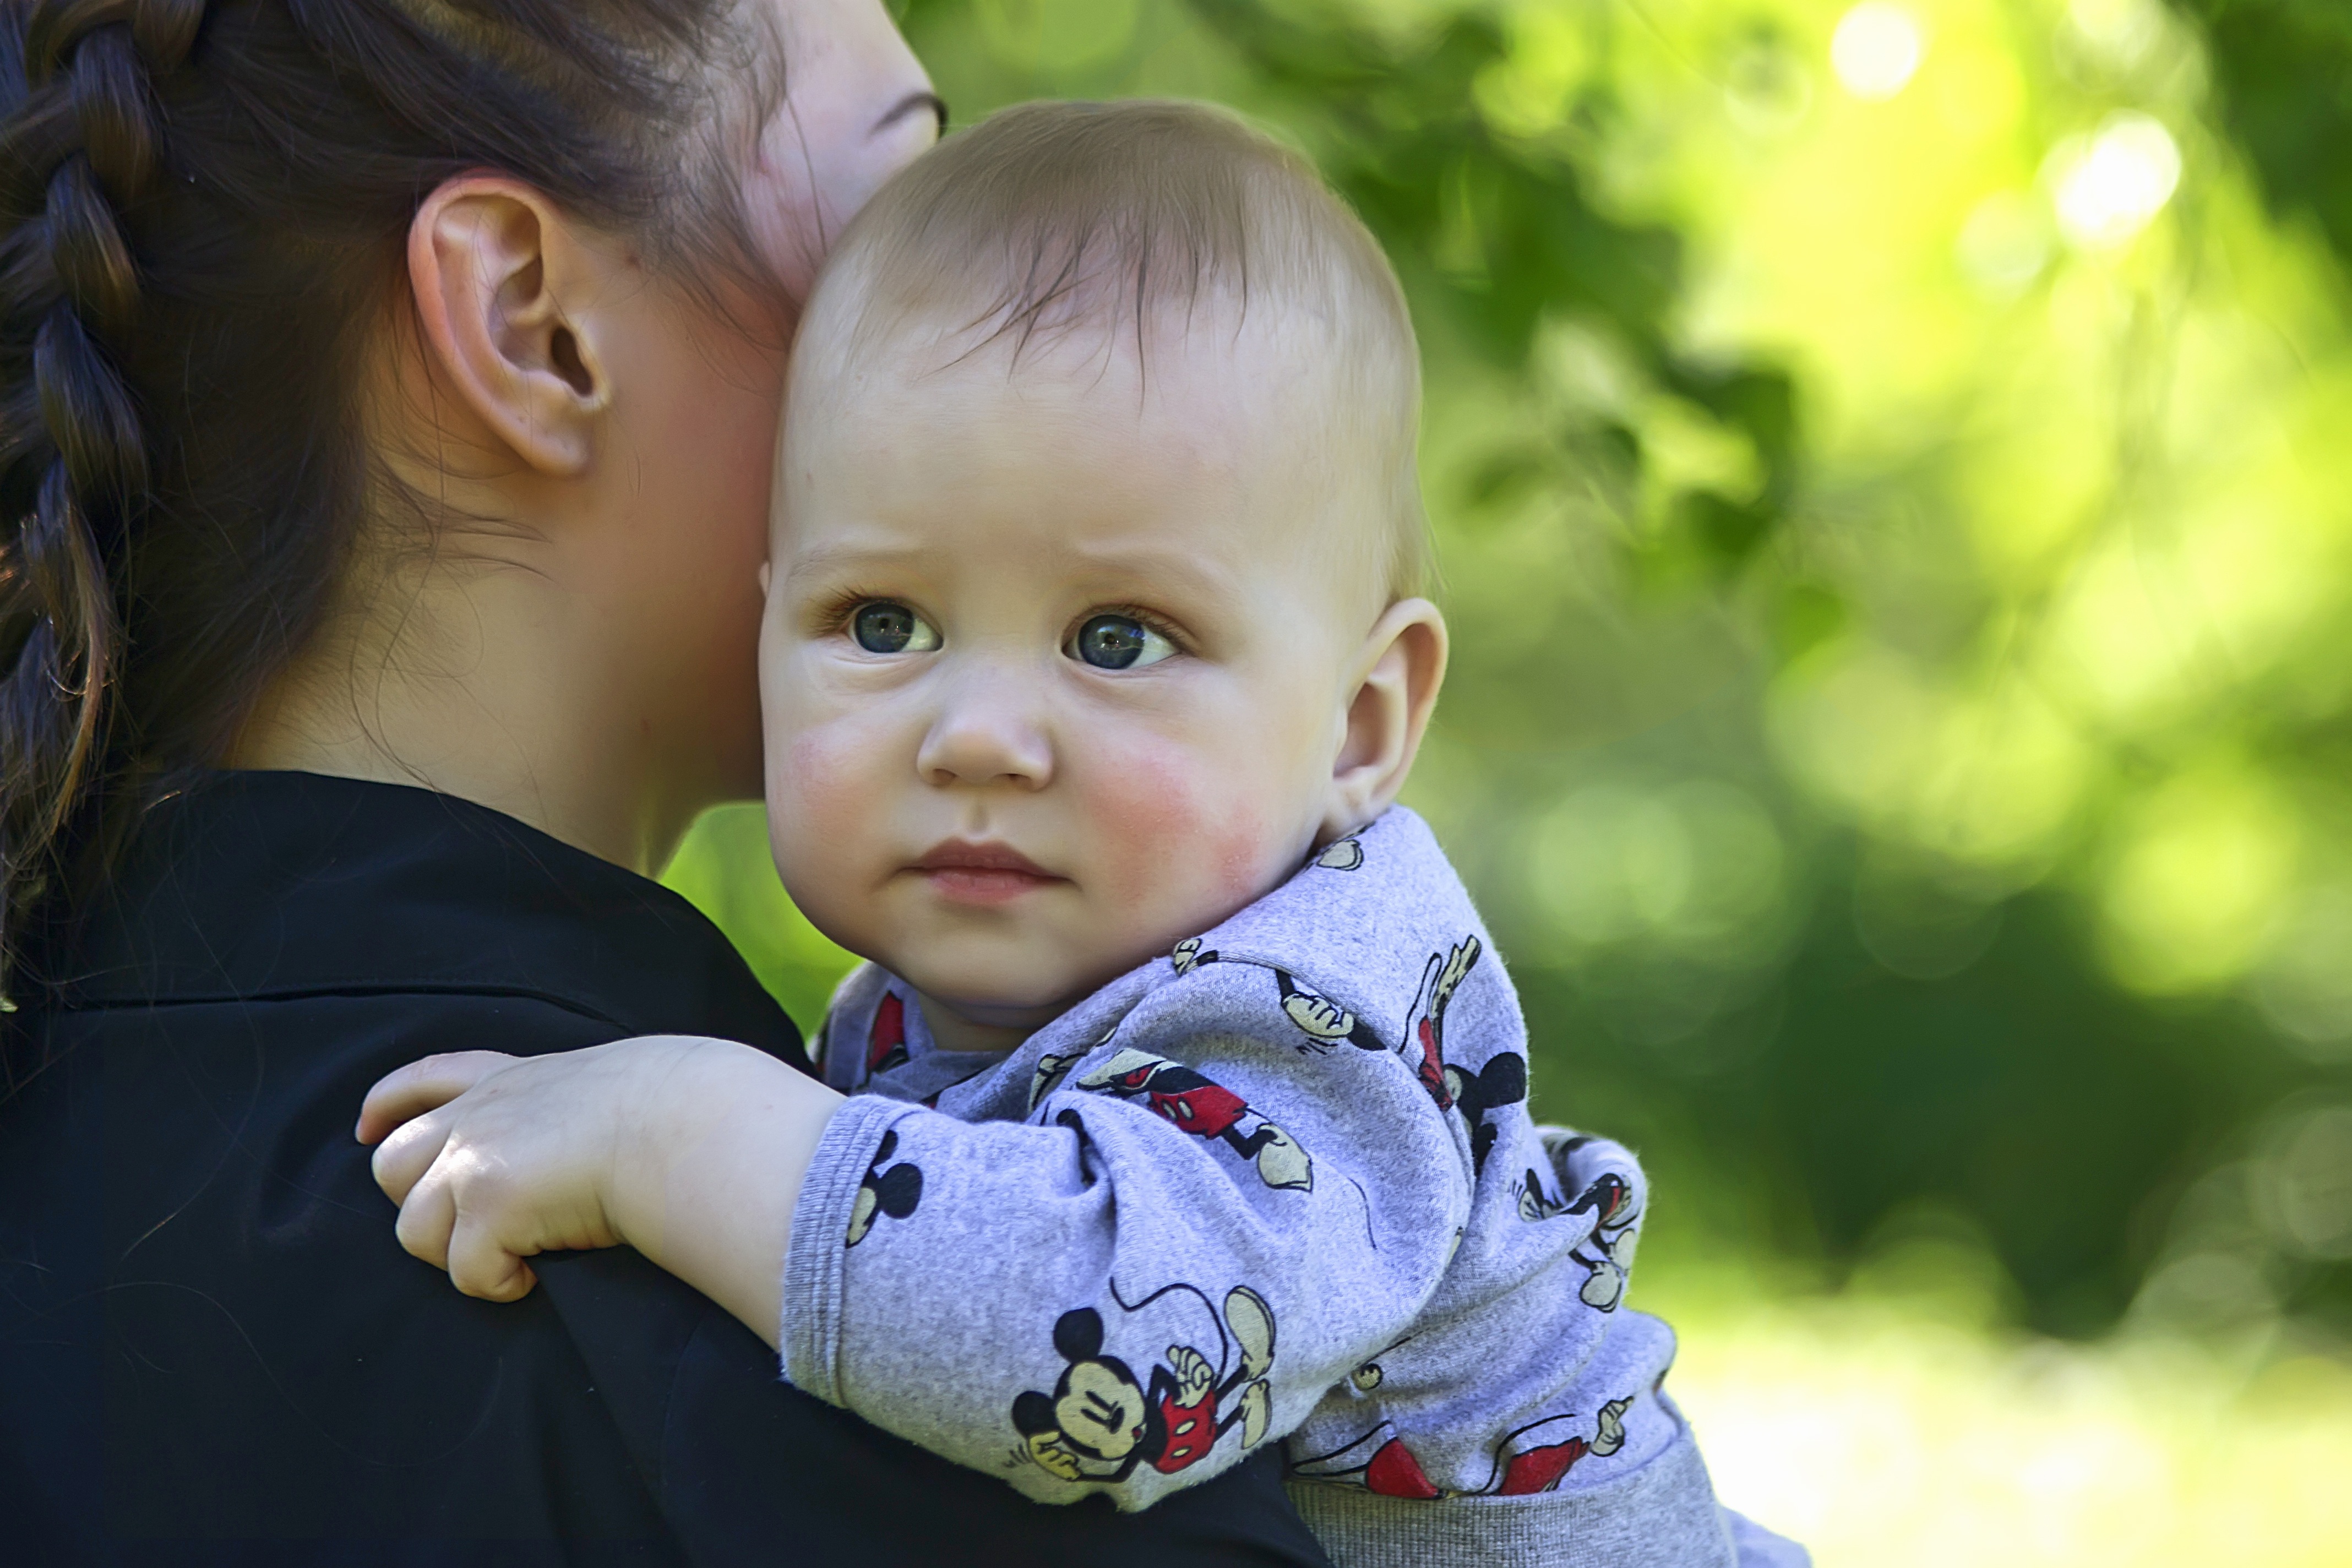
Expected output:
(1194, 1376)
(1320, 1016)
(1610, 1435)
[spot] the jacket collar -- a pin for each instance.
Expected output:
(259, 886)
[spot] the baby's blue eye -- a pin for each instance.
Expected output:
(883, 627)
(1118, 642)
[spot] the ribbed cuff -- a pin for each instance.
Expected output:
(815, 1261)
(1662, 1515)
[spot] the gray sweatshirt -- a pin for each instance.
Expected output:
(1279, 1186)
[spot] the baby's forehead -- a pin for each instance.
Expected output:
(1217, 440)
(1223, 380)
(1111, 241)
(1257, 395)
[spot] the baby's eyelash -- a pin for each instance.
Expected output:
(1151, 619)
(832, 613)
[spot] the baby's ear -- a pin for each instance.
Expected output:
(1397, 674)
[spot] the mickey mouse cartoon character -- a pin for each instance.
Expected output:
(1099, 1423)
(1341, 854)
(1321, 1019)
(1607, 1254)
(887, 1189)
(1327, 1024)
(1521, 1469)
(1615, 1229)
(1425, 1048)
(1206, 1109)
(1324, 1022)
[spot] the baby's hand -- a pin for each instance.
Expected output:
(691, 1151)
(494, 1159)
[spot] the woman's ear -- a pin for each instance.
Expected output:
(500, 279)
(1397, 678)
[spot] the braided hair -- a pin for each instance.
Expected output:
(204, 207)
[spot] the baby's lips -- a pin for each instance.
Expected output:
(961, 855)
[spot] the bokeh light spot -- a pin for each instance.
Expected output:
(2306, 987)
(2120, 33)
(2193, 891)
(2110, 187)
(1876, 50)
(2005, 244)
(2305, 1184)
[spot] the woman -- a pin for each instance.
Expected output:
(388, 394)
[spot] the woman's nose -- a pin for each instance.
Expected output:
(986, 734)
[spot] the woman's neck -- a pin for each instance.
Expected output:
(498, 686)
(555, 609)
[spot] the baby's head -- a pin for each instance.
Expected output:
(1097, 555)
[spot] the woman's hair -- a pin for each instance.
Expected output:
(203, 212)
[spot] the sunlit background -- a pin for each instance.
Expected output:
(1892, 471)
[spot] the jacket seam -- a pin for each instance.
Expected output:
(325, 993)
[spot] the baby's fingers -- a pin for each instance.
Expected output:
(481, 1264)
(401, 1160)
(426, 1217)
(422, 1086)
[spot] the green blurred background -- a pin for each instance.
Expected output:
(1892, 465)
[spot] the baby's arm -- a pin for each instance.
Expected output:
(1202, 1224)
(692, 1150)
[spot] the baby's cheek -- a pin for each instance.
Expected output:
(824, 802)
(812, 782)
(1182, 840)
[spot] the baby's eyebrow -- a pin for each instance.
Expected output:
(846, 558)
(1113, 569)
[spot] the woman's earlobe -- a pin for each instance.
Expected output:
(489, 260)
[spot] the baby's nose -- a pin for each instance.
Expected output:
(987, 734)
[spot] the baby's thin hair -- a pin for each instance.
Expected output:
(1050, 219)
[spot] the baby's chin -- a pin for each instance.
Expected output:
(1010, 996)
(996, 1012)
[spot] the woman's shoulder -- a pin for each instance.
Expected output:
(187, 1224)
(256, 888)
(178, 1168)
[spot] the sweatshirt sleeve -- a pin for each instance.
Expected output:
(1207, 1219)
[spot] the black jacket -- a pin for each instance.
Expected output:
(213, 1350)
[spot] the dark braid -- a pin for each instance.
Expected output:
(203, 212)
(89, 149)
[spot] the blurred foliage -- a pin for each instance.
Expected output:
(1891, 473)
(2283, 69)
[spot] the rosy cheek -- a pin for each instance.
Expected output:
(820, 789)
(1170, 831)
(1240, 858)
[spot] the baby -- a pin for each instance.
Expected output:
(1187, 1095)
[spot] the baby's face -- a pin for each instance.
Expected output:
(1057, 658)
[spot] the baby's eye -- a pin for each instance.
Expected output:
(883, 627)
(1118, 642)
